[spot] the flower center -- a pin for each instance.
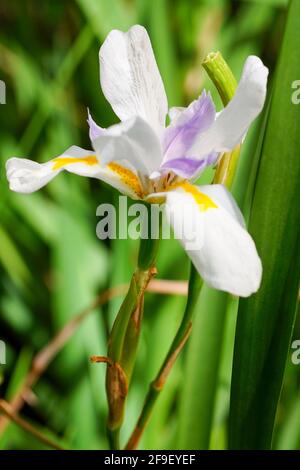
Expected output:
(165, 183)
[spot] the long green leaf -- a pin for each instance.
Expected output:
(199, 392)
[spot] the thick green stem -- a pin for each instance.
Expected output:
(144, 272)
(225, 82)
(113, 436)
(123, 341)
(226, 168)
(221, 75)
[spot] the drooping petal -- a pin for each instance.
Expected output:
(133, 140)
(27, 176)
(223, 198)
(232, 123)
(95, 129)
(130, 78)
(186, 126)
(208, 224)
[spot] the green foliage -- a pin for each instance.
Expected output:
(265, 321)
(52, 265)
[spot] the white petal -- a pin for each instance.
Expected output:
(133, 140)
(232, 123)
(129, 77)
(95, 129)
(223, 198)
(27, 176)
(175, 112)
(220, 248)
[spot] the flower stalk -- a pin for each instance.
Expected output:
(224, 80)
(178, 343)
(222, 77)
(124, 337)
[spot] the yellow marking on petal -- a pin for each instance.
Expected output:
(60, 162)
(127, 177)
(156, 200)
(204, 202)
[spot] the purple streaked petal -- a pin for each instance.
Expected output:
(191, 122)
(189, 167)
(95, 130)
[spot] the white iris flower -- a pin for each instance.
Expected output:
(144, 159)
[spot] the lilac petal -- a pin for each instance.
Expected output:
(95, 130)
(189, 167)
(194, 120)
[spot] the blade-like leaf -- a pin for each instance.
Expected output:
(265, 321)
(202, 366)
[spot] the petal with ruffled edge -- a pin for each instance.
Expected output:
(209, 225)
(130, 78)
(133, 140)
(27, 176)
(232, 123)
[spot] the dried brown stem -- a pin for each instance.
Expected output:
(48, 353)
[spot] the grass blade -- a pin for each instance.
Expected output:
(265, 321)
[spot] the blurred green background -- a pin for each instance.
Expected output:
(51, 263)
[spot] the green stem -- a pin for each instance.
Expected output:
(226, 168)
(124, 338)
(221, 75)
(178, 343)
(225, 82)
(113, 436)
